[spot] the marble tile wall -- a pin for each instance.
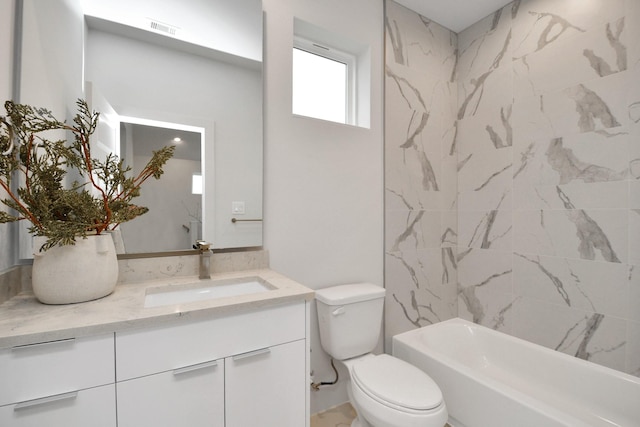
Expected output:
(420, 171)
(513, 175)
(548, 191)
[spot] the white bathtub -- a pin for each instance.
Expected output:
(490, 379)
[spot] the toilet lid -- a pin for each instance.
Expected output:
(397, 382)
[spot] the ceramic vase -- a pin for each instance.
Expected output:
(76, 273)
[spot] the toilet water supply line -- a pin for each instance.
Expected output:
(316, 386)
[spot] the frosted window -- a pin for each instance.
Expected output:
(319, 87)
(196, 183)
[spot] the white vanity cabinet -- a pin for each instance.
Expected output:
(266, 387)
(239, 370)
(65, 383)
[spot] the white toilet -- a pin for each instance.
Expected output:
(385, 391)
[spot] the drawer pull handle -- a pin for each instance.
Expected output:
(40, 344)
(43, 400)
(251, 354)
(195, 367)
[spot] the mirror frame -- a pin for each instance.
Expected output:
(178, 126)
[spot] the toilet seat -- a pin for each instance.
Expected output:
(396, 384)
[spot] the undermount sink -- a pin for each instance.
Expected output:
(203, 290)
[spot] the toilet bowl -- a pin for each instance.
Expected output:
(384, 391)
(388, 392)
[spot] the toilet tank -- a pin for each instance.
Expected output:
(350, 318)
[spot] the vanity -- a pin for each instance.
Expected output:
(238, 358)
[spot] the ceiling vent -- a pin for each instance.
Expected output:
(162, 27)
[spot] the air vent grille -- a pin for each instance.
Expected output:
(163, 28)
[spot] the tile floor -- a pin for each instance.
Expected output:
(339, 416)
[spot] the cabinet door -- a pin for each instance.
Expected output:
(267, 387)
(95, 407)
(191, 396)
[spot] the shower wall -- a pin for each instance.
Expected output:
(548, 197)
(546, 160)
(420, 171)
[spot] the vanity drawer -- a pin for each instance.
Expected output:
(52, 368)
(95, 407)
(153, 350)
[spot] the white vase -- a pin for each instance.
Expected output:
(118, 242)
(69, 274)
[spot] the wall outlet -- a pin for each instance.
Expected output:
(237, 208)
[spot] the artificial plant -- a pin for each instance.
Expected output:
(35, 172)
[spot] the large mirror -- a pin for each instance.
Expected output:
(192, 65)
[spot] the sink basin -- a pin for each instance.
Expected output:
(203, 290)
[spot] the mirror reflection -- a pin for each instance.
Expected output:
(203, 69)
(175, 204)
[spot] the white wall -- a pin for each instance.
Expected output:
(6, 42)
(51, 77)
(7, 257)
(323, 181)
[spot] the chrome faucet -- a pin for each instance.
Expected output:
(205, 258)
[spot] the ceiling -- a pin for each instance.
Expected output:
(456, 15)
(147, 139)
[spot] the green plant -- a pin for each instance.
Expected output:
(35, 173)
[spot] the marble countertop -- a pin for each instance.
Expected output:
(24, 320)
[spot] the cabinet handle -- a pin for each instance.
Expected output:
(43, 400)
(195, 367)
(40, 344)
(251, 354)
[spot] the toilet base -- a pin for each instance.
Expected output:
(358, 421)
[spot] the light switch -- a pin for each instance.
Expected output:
(237, 208)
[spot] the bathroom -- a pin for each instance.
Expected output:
(500, 230)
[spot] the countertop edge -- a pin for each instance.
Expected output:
(17, 331)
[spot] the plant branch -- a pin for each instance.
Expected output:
(24, 211)
(56, 210)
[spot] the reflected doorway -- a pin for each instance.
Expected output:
(174, 220)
